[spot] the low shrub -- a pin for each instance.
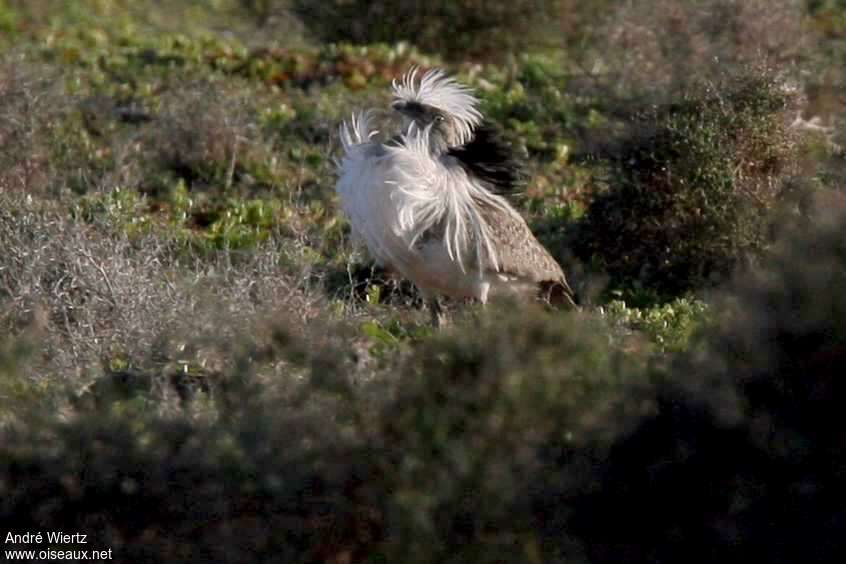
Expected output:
(100, 299)
(690, 187)
(204, 136)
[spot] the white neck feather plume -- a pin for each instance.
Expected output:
(440, 91)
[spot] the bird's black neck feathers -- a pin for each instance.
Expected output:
(492, 160)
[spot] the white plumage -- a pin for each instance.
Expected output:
(422, 213)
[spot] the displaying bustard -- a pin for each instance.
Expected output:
(426, 202)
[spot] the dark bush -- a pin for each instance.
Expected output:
(270, 477)
(690, 187)
(455, 29)
(743, 459)
(439, 462)
(476, 420)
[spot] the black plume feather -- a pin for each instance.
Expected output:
(491, 159)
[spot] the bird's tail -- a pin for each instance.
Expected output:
(558, 294)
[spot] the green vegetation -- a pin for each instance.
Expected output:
(198, 365)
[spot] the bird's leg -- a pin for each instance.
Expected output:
(440, 319)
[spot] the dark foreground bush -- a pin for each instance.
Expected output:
(482, 423)
(743, 460)
(440, 460)
(691, 186)
(529, 439)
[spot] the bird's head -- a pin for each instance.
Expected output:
(439, 103)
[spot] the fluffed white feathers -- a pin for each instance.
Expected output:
(434, 197)
(440, 91)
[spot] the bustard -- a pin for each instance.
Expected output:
(427, 202)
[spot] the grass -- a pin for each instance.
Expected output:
(198, 365)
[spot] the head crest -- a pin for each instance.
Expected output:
(440, 91)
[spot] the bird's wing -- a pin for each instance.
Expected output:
(519, 253)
